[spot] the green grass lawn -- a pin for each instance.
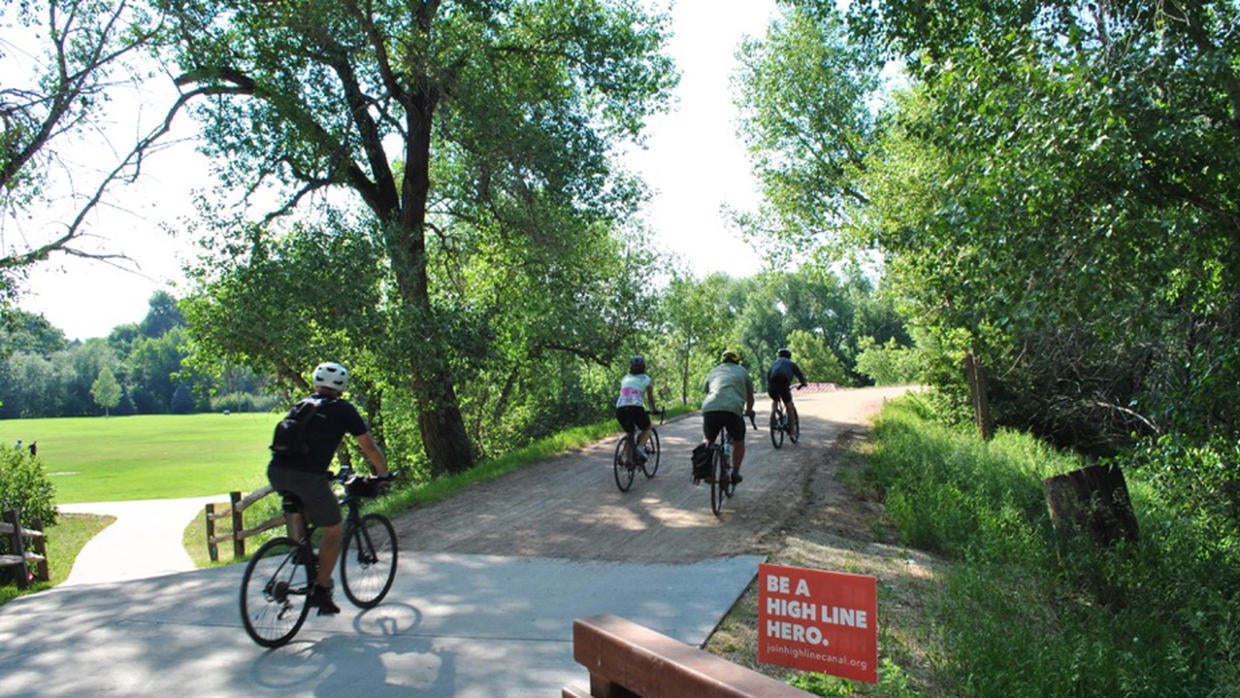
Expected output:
(104, 459)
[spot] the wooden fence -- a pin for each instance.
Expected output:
(627, 660)
(234, 512)
(19, 556)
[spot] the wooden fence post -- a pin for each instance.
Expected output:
(213, 550)
(42, 573)
(18, 548)
(238, 525)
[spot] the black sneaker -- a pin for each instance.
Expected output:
(321, 598)
(736, 478)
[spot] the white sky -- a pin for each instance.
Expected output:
(693, 161)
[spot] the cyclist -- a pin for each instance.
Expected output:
(779, 385)
(729, 399)
(636, 390)
(308, 476)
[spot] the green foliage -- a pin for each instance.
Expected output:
(25, 486)
(815, 358)
(1025, 613)
(105, 390)
(501, 197)
(1095, 291)
(889, 364)
(893, 682)
(803, 92)
(45, 377)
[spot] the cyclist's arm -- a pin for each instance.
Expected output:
(796, 371)
(378, 463)
(650, 397)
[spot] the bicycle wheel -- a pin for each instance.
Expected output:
(719, 471)
(368, 560)
(777, 434)
(651, 466)
(622, 465)
(794, 429)
(273, 593)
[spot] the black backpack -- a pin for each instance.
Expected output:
(289, 438)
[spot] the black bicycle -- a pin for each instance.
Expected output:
(279, 577)
(721, 484)
(780, 425)
(625, 465)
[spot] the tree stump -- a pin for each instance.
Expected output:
(1094, 500)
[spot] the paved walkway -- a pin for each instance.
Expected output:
(130, 622)
(144, 541)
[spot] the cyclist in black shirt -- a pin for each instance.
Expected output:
(779, 385)
(307, 475)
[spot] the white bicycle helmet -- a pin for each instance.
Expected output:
(332, 375)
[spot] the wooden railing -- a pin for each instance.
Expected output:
(18, 556)
(234, 512)
(627, 660)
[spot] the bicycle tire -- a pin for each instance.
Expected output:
(368, 560)
(777, 434)
(622, 469)
(274, 590)
(719, 471)
(651, 466)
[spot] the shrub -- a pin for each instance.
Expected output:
(24, 486)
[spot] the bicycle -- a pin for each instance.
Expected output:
(780, 425)
(279, 577)
(623, 465)
(721, 484)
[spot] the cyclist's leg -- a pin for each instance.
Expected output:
(736, 428)
(643, 424)
(627, 416)
(329, 553)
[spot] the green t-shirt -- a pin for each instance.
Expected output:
(727, 389)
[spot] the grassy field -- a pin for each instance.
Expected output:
(103, 459)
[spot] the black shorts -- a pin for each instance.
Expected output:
(318, 502)
(632, 418)
(714, 422)
(780, 390)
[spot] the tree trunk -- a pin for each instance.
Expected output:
(1093, 500)
(978, 391)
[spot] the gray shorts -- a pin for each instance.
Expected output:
(318, 502)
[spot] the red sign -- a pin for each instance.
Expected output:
(820, 621)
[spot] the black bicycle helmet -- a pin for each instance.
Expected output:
(637, 364)
(785, 353)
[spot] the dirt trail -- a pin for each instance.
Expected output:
(569, 507)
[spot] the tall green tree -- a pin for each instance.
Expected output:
(501, 116)
(1060, 204)
(106, 390)
(804, 92)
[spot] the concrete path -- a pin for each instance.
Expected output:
(454, 625)
(144, 541)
